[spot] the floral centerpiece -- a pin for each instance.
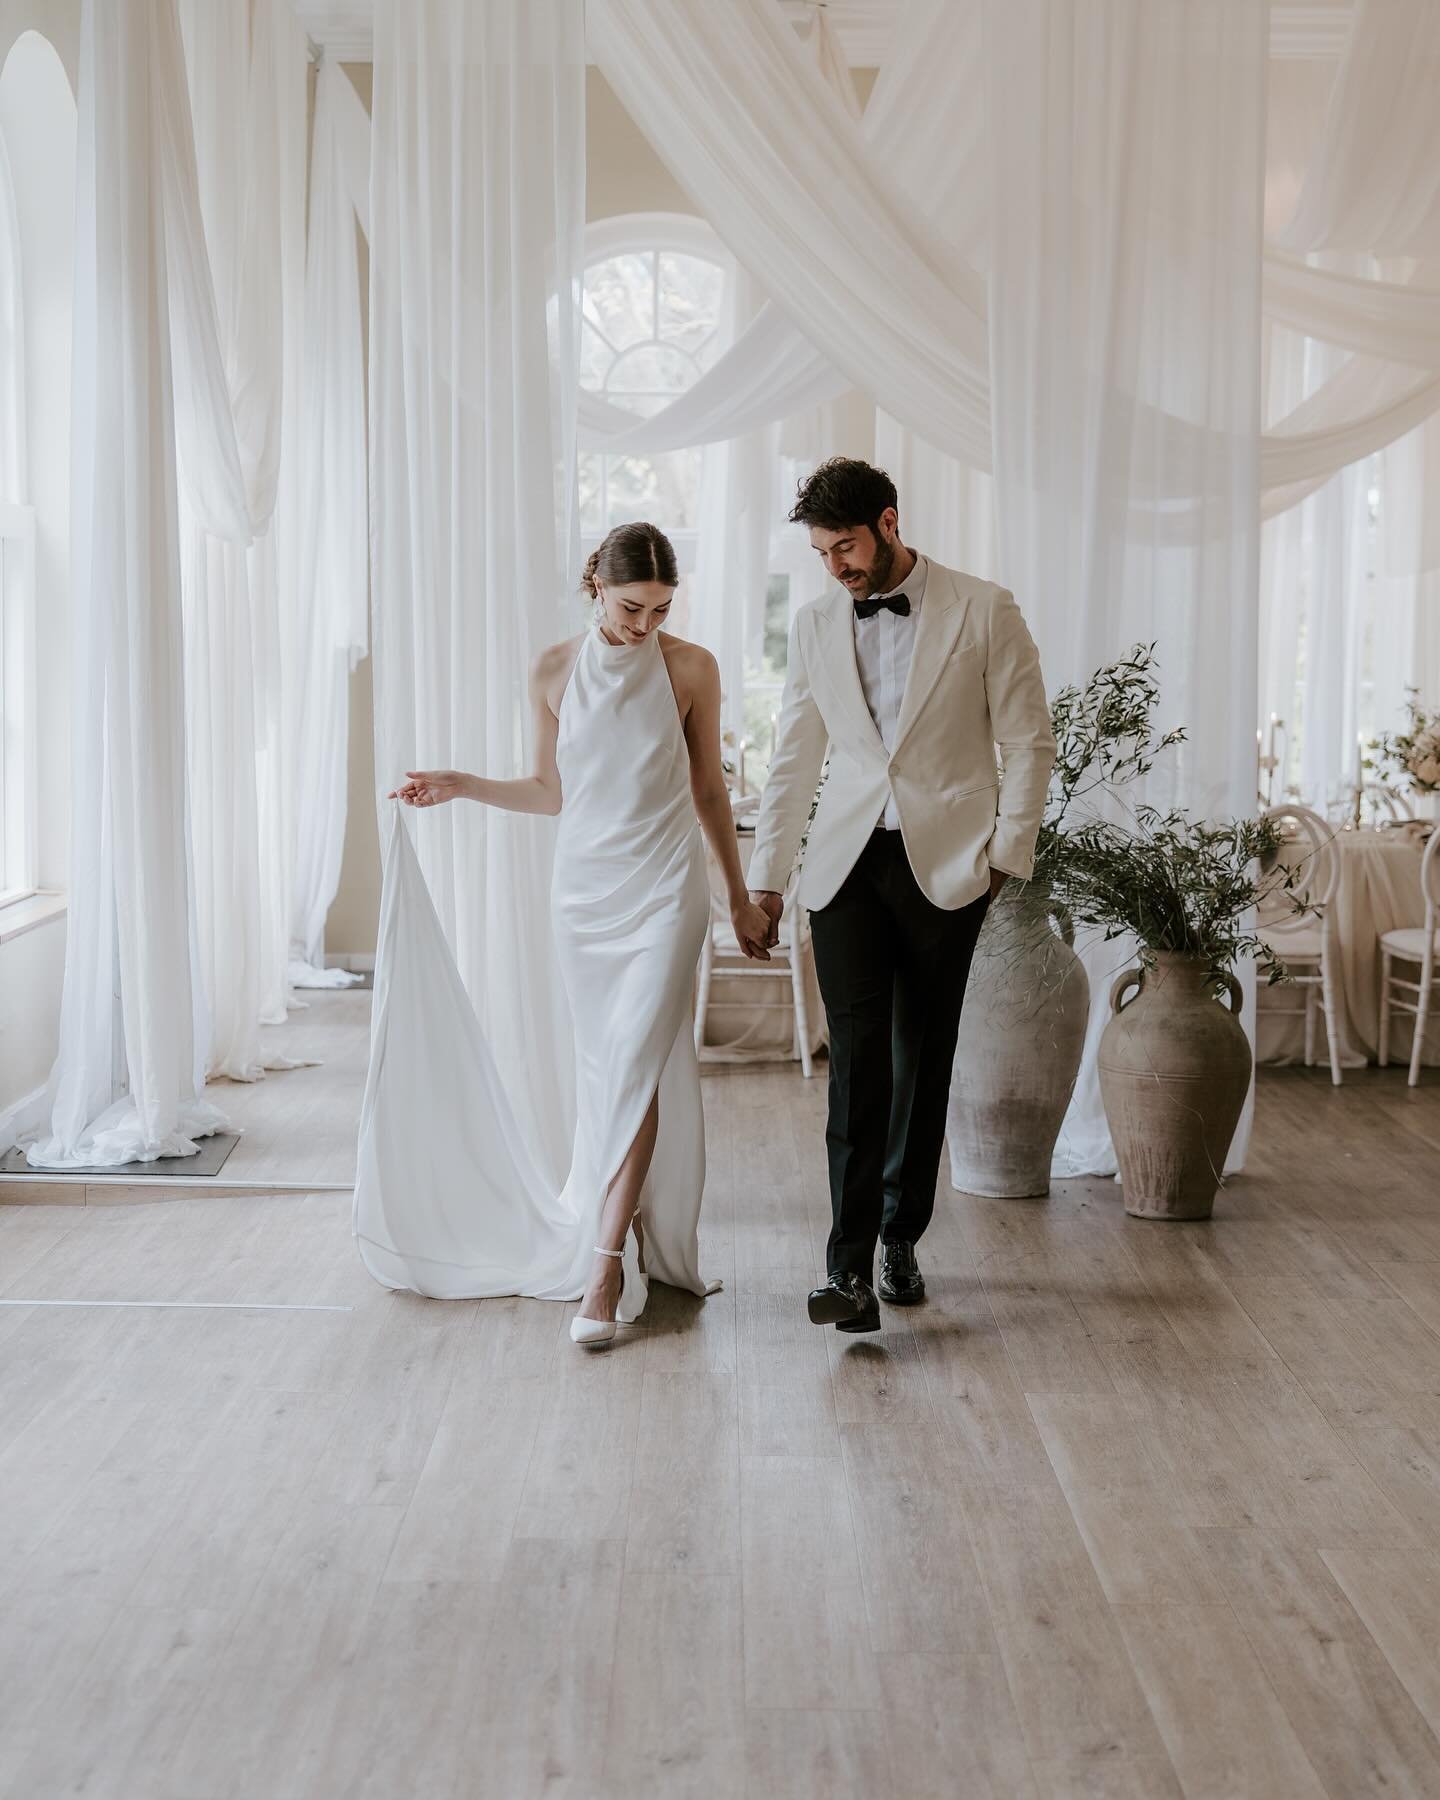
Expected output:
(1411, 756)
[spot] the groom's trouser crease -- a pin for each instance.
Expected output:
(892, 967)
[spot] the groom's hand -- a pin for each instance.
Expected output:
(771, 904)
(998, 878)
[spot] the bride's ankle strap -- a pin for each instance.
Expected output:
(601, 1251)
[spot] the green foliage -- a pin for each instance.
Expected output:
(1177, 884)
(1174, 883)
(1104, 738)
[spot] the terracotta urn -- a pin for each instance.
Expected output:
(1175, 1067)
(1022, 1033)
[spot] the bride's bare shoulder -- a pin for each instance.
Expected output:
(551, 668)
(686, 658)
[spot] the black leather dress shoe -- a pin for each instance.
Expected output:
(901, 1282)
(847, 1302)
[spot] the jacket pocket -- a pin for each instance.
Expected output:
(953, 796)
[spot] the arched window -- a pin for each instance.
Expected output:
(653, 322)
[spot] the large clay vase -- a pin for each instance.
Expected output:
(1175, 1068)
(1022, 1033)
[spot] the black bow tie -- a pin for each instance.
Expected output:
(897, 603)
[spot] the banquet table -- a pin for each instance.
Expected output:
(1379, 890)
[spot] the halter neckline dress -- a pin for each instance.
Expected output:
(448, 1200)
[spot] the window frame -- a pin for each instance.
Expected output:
(646, 234)
(18, 704)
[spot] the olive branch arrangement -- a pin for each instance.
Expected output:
(1175, 883)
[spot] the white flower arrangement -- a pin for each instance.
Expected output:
(1412, 755)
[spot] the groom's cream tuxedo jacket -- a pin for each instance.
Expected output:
(974, 685)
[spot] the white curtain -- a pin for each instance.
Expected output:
(329, 616)
(1405, 616)
(741, 510)
(477, 205)
(243, 60)
(127, 1081)
(947, 509)
(1373, 185)
(776, 162)
(734, 107)
(1110, 118)
(1350, 172)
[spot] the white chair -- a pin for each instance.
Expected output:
(720, 955)
(1294, 918)
(1412, 945)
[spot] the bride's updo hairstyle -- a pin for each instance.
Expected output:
(634, 552)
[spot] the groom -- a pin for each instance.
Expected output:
(901, 685)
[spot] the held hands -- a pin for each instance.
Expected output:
(429, 787)
(754, 929)
(766, 907)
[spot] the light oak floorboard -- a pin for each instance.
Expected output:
(1124, 1511)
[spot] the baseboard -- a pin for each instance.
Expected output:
(63, 1190)
(358, 962)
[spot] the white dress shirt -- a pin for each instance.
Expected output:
(884, 645)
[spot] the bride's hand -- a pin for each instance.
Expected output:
(429, 787)
(752, 929)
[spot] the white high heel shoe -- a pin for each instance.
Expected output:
(592, 1332)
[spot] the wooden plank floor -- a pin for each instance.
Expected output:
(1126, 1510)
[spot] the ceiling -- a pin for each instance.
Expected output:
(1315, 28)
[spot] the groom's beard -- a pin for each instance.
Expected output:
(881, 570)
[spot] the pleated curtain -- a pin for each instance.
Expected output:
(477, 215)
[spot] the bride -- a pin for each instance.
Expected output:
(628, 755)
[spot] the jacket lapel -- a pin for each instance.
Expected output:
(835, 635)
(942, 613)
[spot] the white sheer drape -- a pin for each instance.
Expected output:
(477, 206)
(741, 507)
(1340, 645)
(775, 161)
(329, 616)
(773, 186)
(1101, 326)
(127, 1081)
(1373, 185)
(238, 59)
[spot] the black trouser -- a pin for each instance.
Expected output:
(892, 968)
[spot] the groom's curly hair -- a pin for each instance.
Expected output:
(844, 492)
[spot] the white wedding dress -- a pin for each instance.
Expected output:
(447, 1198)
